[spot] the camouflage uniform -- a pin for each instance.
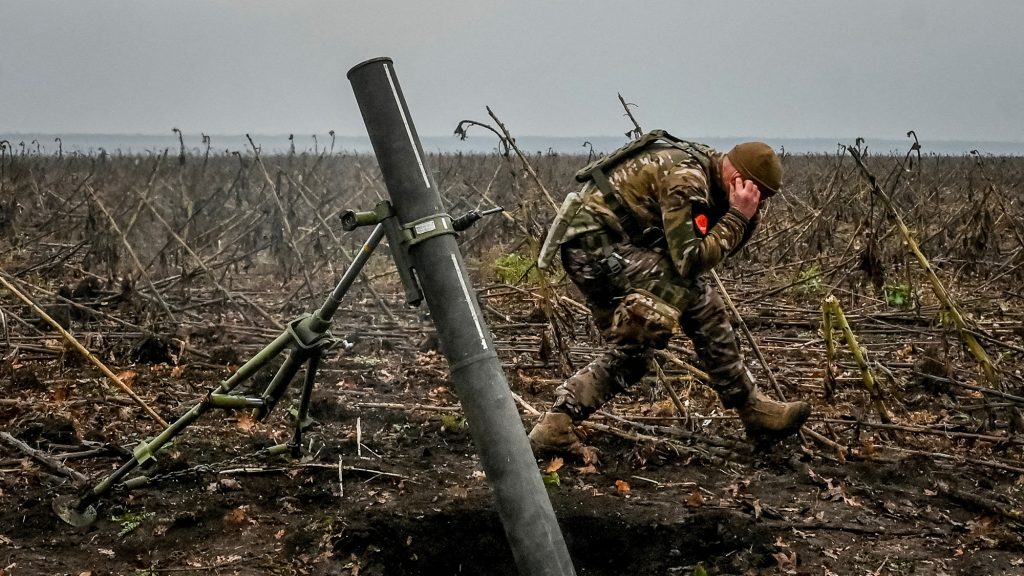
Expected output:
(640, 292)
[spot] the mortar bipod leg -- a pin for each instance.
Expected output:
(82, 511)
(302, 421)
(330, 306)
(280, 382)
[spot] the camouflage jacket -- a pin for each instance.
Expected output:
(667, 189)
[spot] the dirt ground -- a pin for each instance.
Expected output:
(411, 498)
(173, 272)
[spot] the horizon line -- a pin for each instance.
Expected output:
(171, 134)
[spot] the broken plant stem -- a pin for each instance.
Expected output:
(209, 273)
(924, 430)
(680, 408)
(693, 370)
(81, 350)
(830, 350)
(131, 252)
(677, 447)
(408, 407)
(954, 458)
(43, 459)
(826, 332)
(989, 505)
(832, 308)
(529, 169)
(526, 405)
(750, 337)
(991, 375)
(285, 225)
(636, 132)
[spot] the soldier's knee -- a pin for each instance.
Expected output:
(644, 319)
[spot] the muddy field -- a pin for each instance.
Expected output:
(175, 268)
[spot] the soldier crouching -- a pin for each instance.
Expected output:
(651, 219)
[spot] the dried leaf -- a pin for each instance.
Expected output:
(237, 517)
(246, 422)
(588, 469)
(128, 377)
(555, 465)
(622, 486)
(696, 499)
(783, 560)
(177, 371)
(279, 534)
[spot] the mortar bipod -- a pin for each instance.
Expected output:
(307, 338)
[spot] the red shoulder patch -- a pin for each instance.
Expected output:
(701, 220)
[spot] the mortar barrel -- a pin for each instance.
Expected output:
(521, 500)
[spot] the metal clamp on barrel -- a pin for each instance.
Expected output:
(350, 219)
(426, 228)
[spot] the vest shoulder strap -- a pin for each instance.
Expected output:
(702, 153)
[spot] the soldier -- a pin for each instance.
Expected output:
(651, 219)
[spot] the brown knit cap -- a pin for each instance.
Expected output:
(758, 162)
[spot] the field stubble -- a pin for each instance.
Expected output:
(175, 269)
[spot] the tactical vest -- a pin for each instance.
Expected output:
(597, 171)
(702, 153)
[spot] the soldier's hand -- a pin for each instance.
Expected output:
(744, 196)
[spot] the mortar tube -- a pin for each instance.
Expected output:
(522, 503)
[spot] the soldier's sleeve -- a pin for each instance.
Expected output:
(692, 254)
(748, 232)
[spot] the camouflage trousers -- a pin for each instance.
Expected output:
(635, 322)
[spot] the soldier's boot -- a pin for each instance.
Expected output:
(765, 418)
(582, 394)
(554, 434)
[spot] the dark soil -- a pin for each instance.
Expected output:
(414, 500)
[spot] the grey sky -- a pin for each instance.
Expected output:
(947, 69)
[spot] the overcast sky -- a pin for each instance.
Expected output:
(875, 68)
